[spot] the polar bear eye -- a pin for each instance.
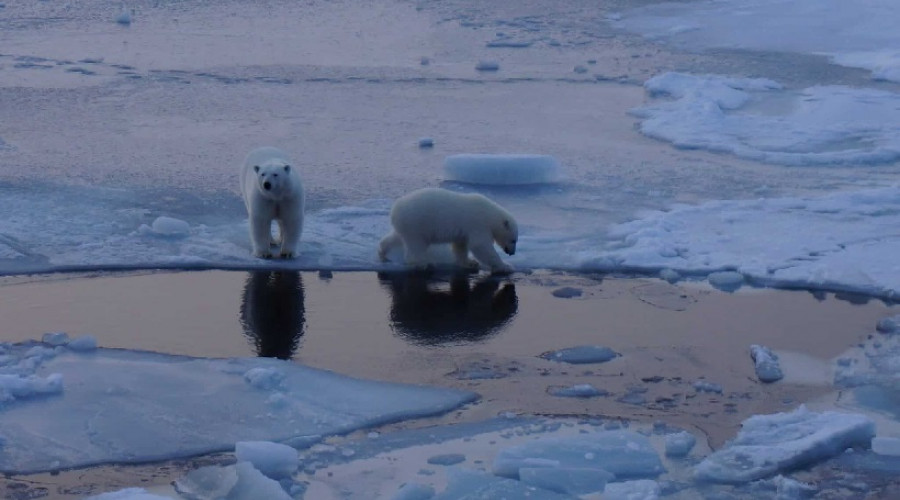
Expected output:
(274, 175)
(256, 168)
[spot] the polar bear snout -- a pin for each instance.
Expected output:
(510, 249)
(267, 185)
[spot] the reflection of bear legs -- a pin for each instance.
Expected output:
(461, 254)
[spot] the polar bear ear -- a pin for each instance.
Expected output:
(256, 168)
(287, 168)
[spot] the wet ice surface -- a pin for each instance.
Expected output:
(124, 127)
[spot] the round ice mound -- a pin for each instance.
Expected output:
(501, 169)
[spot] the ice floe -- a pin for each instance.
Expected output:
(101, 396)
(769, 444)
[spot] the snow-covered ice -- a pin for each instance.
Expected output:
(859, 35)
(756, 119)
(501, 169)
(105, 394)
(769, 444)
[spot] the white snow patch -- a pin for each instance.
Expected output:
(845, 240)
(501, 169)
(754, 119)
(769, 444)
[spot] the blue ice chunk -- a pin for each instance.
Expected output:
(767, 367)
(582, 354)
(447, 459)
(414, 491)
(889, 325)
(641, 489)
(467, 484)
(679, 444)
(572, 481)
(706, 386)
(501, 169)
(624, 453)
(769, 444)
(578, 391)
(112, 392)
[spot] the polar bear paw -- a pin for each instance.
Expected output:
(287, 255)
(502, 269)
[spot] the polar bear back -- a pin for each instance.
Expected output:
(438, 215)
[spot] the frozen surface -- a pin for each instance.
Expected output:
(105, 394)
(861, 34)
(843, 241)
(757, 120)
(501, 169)
(884, 445)
(582, 354)
(769, 444)
(625, 454)
(766, 364)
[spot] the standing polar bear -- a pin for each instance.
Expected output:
(272, 190)
(466, 221)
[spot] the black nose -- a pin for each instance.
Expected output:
(267, 185)
(509, 251)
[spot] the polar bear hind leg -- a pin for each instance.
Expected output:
(461, 254)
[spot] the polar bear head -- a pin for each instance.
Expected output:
(506, 234)
(273, 178)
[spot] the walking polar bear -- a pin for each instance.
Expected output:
(469, 222)
(272, 190)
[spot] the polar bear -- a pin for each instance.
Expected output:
(272, 190)
(466, 221)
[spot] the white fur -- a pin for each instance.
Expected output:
(469, 222)
(282, 202)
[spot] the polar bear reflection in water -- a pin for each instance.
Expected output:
(273, 314)
(426, 311)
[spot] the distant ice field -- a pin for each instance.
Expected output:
(857, 34)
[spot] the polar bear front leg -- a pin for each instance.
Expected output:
(291, 226)
(415, 252)
(261, 236)
(486, 255)
(461, 255)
